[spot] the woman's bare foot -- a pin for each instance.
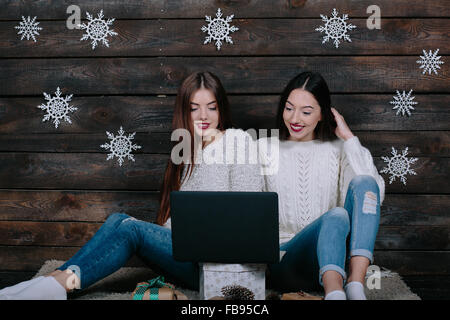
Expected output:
(67, 278)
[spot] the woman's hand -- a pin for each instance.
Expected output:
(342, 129)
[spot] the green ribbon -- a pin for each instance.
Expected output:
(154, 293)
(154, 284)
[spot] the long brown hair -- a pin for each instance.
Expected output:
(182, 120)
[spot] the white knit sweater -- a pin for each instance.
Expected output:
(239, 172)
(313, 177)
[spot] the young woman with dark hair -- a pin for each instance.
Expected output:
(329, 193)
(201, 110)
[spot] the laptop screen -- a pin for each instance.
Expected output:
(225, 227)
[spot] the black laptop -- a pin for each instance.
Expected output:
(225, 227)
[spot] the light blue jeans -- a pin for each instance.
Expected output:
(118, 239)
(320, 246)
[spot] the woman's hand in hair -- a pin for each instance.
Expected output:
(342, 129)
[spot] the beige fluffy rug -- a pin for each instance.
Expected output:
(120, 285)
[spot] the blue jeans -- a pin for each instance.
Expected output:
(117, 240)
(319, 247)
(322, 245)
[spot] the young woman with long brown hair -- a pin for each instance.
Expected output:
(201, 110)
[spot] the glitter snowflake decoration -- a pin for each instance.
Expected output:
(218, 29)
(398, 166)
(430, 62)
(97, 29)
(403, 103)
(335, 28)
(57, 108)
(28, 28)
(120, 146)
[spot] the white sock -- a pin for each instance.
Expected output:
(355, 291)
(47, 288)
(18, 287)
(336, 295)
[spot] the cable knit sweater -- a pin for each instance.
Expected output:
(227, 165)
(312, 177)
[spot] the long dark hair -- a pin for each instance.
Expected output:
(182, 119)
(315, 84)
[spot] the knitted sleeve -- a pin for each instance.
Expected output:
(356, 160)
(244, 173)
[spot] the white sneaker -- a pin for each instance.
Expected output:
(18, 287)
(46, 288)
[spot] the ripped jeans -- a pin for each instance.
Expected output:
(322, 245)
(117, 240)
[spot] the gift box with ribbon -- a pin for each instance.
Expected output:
(157, 289)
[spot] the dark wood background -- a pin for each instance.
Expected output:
(56, 187)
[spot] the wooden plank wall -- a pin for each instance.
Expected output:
(56, 187)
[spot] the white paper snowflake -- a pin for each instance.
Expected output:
(28, 28)
(57, 107)
(97, 29)
(403, 102)
(120, 146)
(218, 29)
(399, 165)
(335, 28)
(430, 62)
